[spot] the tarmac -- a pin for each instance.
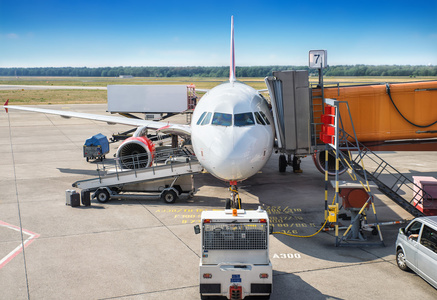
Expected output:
(146, 249)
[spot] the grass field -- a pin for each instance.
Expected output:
(32, 97)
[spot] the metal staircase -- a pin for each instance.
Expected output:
(389, 180)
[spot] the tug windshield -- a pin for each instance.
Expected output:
(236, 236)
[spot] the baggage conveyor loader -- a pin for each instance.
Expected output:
(169, 176)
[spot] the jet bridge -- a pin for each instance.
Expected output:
(290, 97)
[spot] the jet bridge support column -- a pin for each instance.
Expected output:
(290, 97)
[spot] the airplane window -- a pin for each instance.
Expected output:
(265, 117)
(201, 118)
(207, 119)
(244, 119)
(222, 119)
(259, 119)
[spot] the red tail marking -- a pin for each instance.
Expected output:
(6, 104)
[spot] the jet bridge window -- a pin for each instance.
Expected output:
(244, 119)
(222, 119)
(206, 120)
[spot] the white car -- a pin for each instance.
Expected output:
(416, 248)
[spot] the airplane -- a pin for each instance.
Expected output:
(231, 131)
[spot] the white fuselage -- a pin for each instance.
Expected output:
(237, 147)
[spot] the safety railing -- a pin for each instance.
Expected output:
(138, 162)
(389, 180)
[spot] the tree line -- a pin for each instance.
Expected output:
(253, 71)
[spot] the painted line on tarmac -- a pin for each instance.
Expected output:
(32, 237)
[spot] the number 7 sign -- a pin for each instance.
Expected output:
(318, 59)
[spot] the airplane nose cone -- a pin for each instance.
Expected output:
(238, 156)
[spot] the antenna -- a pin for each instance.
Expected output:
(232, 66)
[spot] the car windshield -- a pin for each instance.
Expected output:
(244, 119)
(222, 119)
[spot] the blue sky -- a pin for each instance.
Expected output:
(77, 33)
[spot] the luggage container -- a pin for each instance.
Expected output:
(96, 147)
(72, 198)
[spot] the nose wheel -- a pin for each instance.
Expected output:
(234, 201)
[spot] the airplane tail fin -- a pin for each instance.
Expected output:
(232, 65)
(6, 105)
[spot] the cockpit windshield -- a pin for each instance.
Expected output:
(244, 119)
(222, 119)
(207, 119)
(201, 118)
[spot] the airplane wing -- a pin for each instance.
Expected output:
(163, 127)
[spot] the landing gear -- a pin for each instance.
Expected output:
(284, 162)
(234, 201)
(296, 164)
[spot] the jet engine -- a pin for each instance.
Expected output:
(136, 152)
(319, 158)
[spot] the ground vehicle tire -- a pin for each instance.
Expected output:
(400, 260)
(102, 195)
(169, 196)
(282, 163)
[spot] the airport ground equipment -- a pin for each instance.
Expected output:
(234, 259)
(290, 98)
(169, 176)
(147, 98)
(96, 147)
(357, 196)
(352, 155)
(392, 117)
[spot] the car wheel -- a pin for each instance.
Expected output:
(400, 260)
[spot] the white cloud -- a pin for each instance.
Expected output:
(12, 36)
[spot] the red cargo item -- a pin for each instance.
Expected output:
(354, 197)
(328, 119)
(329, 110)
(428, 205)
